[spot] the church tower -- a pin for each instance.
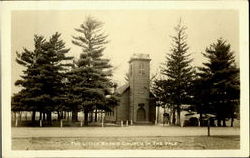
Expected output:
(139, 74)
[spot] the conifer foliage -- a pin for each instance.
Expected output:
(90, 80)
(221, 77)
(42, 80)
(177, 74)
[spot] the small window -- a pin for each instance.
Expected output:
(141, 69)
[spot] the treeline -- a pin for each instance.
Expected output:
(53, 81)
(213, 88)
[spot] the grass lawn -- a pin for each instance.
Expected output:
(155, 142)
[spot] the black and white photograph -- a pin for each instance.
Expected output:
(138, 78)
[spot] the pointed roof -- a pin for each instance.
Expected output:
(122, 89)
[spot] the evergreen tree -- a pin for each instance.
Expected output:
(31, 88)
(16, 105)
(201, 98)
(55, 72)
(163, 93)
(126, 78)
(221, 76)
(90, 82)
(177, 72)
(42, 80)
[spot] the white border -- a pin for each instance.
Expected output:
(7, 7)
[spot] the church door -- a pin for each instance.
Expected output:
(141, 114)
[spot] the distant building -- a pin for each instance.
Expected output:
(136, 102)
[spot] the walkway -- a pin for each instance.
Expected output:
(130, 131)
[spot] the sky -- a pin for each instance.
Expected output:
(129, 31)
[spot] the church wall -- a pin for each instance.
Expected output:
(123, 108)
(120, 112)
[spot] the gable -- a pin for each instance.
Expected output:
(122, 89)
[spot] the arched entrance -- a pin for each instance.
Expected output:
(141, 114)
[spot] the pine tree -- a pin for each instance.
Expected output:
(177, 71)
(31, 88)
(54, 67)
(163, 93)
(90, 80)
(221, 76)
(42, 79)
(58, 64)
(201, 97)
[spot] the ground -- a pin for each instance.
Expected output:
(131, 137)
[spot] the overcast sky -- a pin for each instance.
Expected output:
(130, 31)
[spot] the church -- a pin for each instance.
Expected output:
(136, 102)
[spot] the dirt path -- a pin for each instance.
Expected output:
(130, 131)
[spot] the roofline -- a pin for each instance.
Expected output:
(132, 59)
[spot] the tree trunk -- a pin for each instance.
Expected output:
(63, 115)
(44, 116)
(58, 115)
(232, 121)
(67, 115)
(224, 122)
(74, 116)
(201, 119)
(219, 122)
(14, 116)
(40, 115)
(26, 116)
(91, 116)
(49, 118)
(158, 114)
(173, 119)
(178, 116)
(95, 115)
(20, 116)
(33, 118)
(85, 118)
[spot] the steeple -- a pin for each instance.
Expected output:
(139, 73)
